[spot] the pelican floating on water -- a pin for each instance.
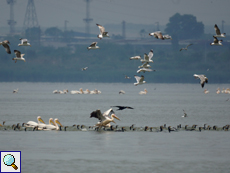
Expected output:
(33, 124)
(53, 127)
(104, 120)
(143, 92)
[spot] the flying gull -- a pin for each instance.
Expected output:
(135, 57)
(102, 32)
(185, 48)
(218, 34)
(140, 80)
(5, 44)
(24, 42)
(148, 58)
(203, 79)
(19, 56)
(93, 46)
(216, 42)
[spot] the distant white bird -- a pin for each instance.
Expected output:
(93, 46)
(24, 42)
(5, 44)
(143, 92)
(83, 69)
(127, 77)
(102, 32)
(135, 57)
(19, 56)
(203, 79)
(121, 92)
(15, 91)
(216, 42)
(144, 70)
(157, 35)
(185, 48)
(218, 34)
(185, 115)
(140, 80)
(148, 58)
(145, 65)
(206, 91)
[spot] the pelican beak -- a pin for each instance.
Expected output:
(114, 121)
(59, 123)
(116, 117)
(52, 122)
(41, 120)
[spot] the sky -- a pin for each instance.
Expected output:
(53, 13)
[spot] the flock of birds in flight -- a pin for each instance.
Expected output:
(108, 116)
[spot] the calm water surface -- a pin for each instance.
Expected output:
(76, 151)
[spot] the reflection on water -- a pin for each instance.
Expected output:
(75, 151)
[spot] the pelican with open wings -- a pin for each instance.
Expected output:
(104, 119)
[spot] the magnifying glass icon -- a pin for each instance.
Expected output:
(9, 160)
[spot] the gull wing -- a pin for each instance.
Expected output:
(159, 35)
(215, 40)
(146, 69)
(97, 114)
(138, 78)
(101, 28)
(24, 41)
(141, 78)
(93, 44)
(146, 57)
(189, 45)
(7, 48)
(17, 53)
(150, 55)
(217, 30)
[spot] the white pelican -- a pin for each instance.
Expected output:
(157, 35)
(24, 42)
(147, 58)
(104, 120)
(218, 34)
(140, 80)
(19, 56)
(53, 127)
(33, 124)
(41, 126)
(218, 91)
(5, 44)
(143, 92)
(135, 57)
(206, 91)
(75, 92)
(144, 70)
(185, 48)
(102, 32)
(216, 42)
(202, 78)
(93, 46)
(145, 65)
(15, 91)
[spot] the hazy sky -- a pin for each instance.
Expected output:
(55, 12)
